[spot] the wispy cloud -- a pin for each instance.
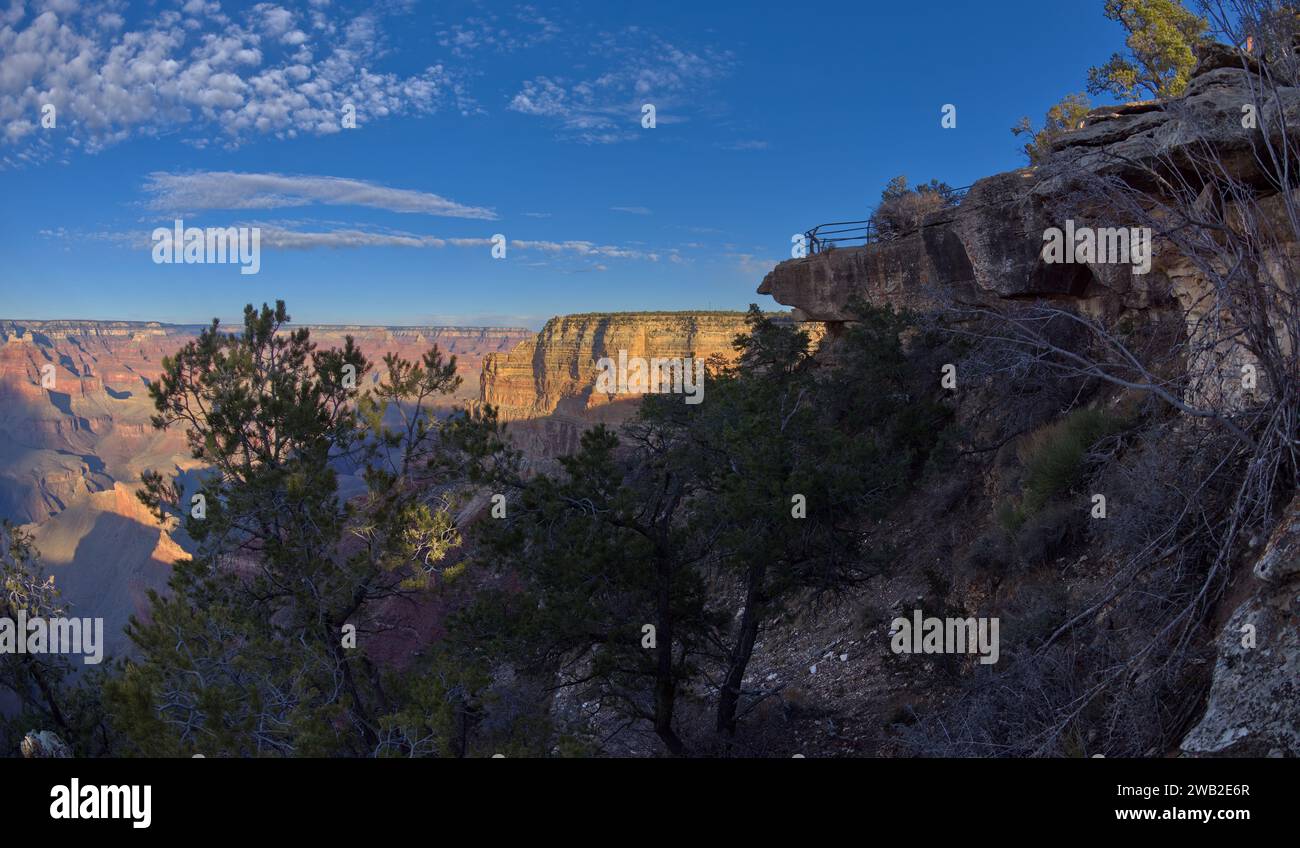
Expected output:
(190, 192)
(631, 210)
(752, 265)
(643, 68)
(525, 27)
(278, 235)
(277, 238)
(586, 248)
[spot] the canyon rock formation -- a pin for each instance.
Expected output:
(546, 386)
(72, 452)
(988, 248)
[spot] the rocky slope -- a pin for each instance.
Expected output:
(989, 248)
(1252, 709)
(90, 426)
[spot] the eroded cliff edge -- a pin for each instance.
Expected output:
(989, 246)
(546, 385)
(988, 249)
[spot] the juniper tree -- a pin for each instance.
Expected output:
(1061, 118)
(705, 521)
(610, 601)
(902, 207)
(1161, 38)
(51, 694)
(246, 654)
(789, 458)
(36, 679)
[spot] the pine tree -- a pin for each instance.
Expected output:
(1063, 117)
(1162, 36)
(787, 461)
(603, 552)
(246, 654)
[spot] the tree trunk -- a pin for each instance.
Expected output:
(738, 660)
(665, 685)
(358, 706)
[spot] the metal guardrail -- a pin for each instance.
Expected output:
(820, 238)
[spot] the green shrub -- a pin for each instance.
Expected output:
(1053, 455)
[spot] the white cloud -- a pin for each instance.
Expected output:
(202, 72)
(526, 27)
(631, 210)
(189, 192)
(275, 238)
(606, 108)
(279, 235)
(276, 20)
(586, 248)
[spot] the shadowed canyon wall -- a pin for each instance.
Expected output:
(989, 248)
(71, 455)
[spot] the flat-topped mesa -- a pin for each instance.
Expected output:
(547, 386)
(990, 245)
(555, 371)
(70, 329)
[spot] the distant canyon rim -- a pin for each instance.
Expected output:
(74, 447)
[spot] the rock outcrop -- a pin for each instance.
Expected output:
(71, 452)
(547, 385)
(1254, 705)
(44, 745)
(989, 248)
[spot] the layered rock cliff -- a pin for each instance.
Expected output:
(989, 248)
(555, 370)
(547, 384)
(72, 450)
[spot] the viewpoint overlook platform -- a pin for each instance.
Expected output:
(989, 246)
(985, 248)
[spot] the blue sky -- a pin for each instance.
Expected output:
(475, 119)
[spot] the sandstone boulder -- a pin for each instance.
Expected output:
(1254, 705)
